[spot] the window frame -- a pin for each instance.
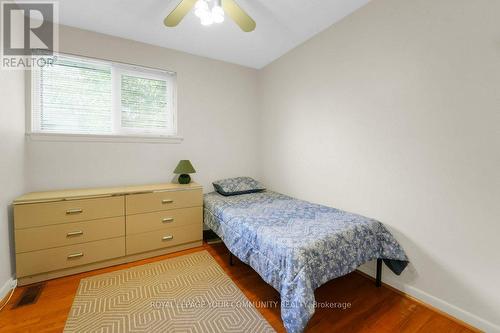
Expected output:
(119, 133)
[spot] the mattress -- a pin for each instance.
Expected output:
(296, 246)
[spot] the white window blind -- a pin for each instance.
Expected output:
(86, 96)
(144, 103)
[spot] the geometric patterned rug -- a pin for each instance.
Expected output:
(190, 293)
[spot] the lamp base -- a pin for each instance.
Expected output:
(184, 179)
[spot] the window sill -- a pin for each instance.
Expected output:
(103, 138)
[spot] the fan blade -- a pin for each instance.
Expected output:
(241, 18)
(178, 13)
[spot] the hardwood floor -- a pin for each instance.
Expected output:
(372, 309)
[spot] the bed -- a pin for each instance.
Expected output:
(296, 246)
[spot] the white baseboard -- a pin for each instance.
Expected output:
(438, 303)
(7, 287)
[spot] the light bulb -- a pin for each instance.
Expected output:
(207, 18)
(201, 4)
(201, 8)
(218, 14)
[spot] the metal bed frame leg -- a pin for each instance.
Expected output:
(378, 281)
(231, 259)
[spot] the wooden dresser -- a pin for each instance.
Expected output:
(66, 232)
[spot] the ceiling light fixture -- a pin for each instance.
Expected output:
(211, 11)
(207, 16)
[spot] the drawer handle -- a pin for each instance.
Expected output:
(168, 220)
(75, 255)
(74, 211)
(74, 233)
(166, 201)
(169, 237)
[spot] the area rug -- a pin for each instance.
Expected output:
(190, 293)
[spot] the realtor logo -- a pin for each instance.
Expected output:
(29, 34)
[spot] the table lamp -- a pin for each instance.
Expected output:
(183, 169)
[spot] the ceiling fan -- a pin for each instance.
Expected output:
(208, 15)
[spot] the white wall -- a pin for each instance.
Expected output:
(11, 165)
(217, 105)
(394, 113)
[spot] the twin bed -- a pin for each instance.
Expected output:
(296, 246)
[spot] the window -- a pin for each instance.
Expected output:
(81, 96)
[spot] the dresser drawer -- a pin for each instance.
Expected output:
(31, 263)
(152, 202)
(40, 238)
(42, 214)
(163, 238)
(145, 222)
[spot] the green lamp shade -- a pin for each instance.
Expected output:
(184, 167)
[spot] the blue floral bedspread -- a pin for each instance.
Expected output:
(296, 246)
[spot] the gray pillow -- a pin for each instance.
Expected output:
(238, 185)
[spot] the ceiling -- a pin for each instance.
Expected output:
(281, 25)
